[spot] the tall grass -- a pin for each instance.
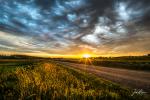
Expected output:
(50, 81)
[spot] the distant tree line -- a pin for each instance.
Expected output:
(18, 57)
(146, 57)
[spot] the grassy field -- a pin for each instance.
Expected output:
(46, 80)
(7, 65)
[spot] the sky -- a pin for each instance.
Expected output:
(74, 27)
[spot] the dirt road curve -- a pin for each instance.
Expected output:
(125, 77)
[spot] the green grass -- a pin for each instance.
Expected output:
(48, 80)
(11, 65)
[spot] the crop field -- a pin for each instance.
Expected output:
(34, 80)
(11, 65)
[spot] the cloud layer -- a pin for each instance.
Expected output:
(68, 26)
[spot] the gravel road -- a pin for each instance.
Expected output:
(128, 78)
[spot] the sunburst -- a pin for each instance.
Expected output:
(86, 56)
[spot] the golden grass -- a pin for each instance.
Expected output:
(50, 82)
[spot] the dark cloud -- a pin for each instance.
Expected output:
(49, 25)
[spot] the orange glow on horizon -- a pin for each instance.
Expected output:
(81, 55)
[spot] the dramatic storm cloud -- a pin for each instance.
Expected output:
(66, 27)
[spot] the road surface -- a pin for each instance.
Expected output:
(129, 78)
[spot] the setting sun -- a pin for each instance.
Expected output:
(86, 55)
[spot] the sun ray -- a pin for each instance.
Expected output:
(86, 55)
